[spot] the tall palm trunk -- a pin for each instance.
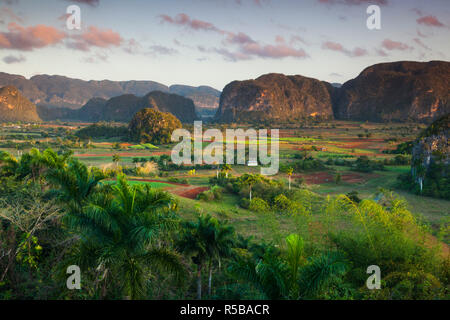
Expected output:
(199, 282)
(210, 278)
(250, 193)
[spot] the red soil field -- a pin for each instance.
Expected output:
(190, 193)
(326, 177)
(123, 154)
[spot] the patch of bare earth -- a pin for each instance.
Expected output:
(190, 192)
(326, 177)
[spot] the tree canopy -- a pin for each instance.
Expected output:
(152, 126)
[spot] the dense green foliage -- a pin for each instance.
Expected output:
(102, 130)
(152, 126)
(364, 164)
(402, 148)
(436, 182)
(430, 170)
(133, 242)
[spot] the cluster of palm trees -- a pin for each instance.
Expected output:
(33, 164)
(206, 241)
(289, 274)
(125, 234)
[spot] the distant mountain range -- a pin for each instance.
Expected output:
(64, 92)
(397, 91)
(122, 108)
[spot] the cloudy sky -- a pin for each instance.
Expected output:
(213, 42)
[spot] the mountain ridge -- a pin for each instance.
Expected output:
(65, 92)
(122, 108)
(392, 91)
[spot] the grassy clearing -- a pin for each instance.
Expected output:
(153, 184)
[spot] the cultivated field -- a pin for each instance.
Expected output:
(334, 140)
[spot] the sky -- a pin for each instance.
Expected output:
(214, 42)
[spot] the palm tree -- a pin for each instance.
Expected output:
(8, 164)
(226, 168)
(116, 159)
(269, 273)
(294, 257)
(289, 275)
(206, 240)
(320, 272)
(35, 163)
(224, 239)
(136, 161)
(250, 180)
(289, 173)
(122, 235)
(217, 169)
(74, 184)
(31, 164)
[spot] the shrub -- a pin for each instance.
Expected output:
(205, 196)
(258, 205)
(214, 194)
(364, 164)
(101, 130)
(147, 169)
(284, 205)
(217, 192)
(244, 203)
(178, 180)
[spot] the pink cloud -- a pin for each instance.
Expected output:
(231, 56)
(394, 45)
(381, 53)
(246, 46)
(279, 39)
(29, 38)
(273, 51)
(183, 19)
(239, 38)
(335, 46)
(430, 21)
(94, 37)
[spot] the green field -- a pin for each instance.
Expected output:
(344, 199)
